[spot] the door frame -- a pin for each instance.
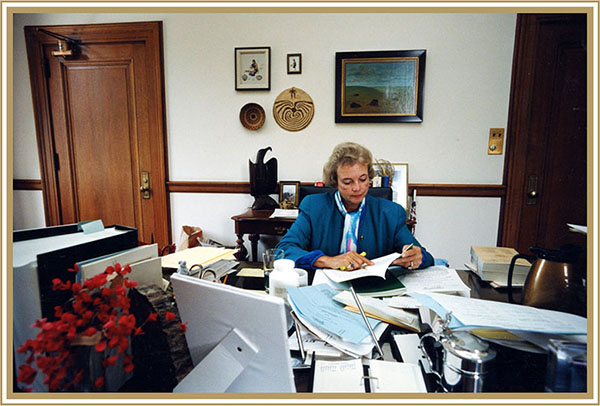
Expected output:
(151, 33)
(518, 128)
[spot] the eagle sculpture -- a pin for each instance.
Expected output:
(263, 181)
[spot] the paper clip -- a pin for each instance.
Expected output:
(370, 379)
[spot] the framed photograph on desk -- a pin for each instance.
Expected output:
(400, 184)
(288, 194)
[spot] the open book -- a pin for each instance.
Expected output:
(383, 377)
(381, 264)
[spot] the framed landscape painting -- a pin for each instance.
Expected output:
(379, 86)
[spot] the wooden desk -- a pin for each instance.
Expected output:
(531, 367)
(479, 289)
(254, 223)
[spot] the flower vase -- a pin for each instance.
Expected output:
(385, 181)
(89, 361)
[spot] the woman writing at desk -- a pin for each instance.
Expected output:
(333, 228)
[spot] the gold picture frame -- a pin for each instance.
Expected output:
(379, 86)
(289, 194)
(399, 184)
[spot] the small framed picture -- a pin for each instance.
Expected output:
(294, 63)
(288, 194)
(253, 68)
(399, 184)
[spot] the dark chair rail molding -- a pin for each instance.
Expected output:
(27, 184)
(427, 189)
(423, 189)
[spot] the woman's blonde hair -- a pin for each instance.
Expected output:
(347, 153)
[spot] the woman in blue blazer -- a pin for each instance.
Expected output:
(333, 228)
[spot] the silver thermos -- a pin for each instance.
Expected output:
(467, 361)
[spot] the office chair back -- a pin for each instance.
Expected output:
(383, 192)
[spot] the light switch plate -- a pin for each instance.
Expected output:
(496, 141)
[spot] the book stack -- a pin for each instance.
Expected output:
(492, 264)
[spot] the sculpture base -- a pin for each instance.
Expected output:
(264, 202)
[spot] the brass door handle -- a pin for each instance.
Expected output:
(532, 194)
(145, 188)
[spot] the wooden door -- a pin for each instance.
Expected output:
(100, 125)
(546, 170)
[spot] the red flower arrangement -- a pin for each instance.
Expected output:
(97, 315)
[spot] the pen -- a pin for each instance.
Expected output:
(364, 316)
(362, 254)
(407, 248)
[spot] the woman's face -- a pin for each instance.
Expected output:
(353, 184)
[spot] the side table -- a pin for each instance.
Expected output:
(254, 223)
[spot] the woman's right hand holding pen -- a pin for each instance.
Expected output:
(349, 261)
(411, 257)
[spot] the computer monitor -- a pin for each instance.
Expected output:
(237, 338)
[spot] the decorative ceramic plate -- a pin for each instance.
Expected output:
(252, 116)
(293, 109)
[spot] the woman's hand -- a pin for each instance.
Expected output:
(349, 261)
(410, 258)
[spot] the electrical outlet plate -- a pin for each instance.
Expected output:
(496, 141)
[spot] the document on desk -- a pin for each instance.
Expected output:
(395, 377)
(251, 273)
(284, 213)
(313, 345)
(364, 349)
(434, 279)
(377, 308)
(577, 228)
(379, 268)
(197, 255)
(142, 259)
(470, 313)
(402, 302)
(316, 305)
(339, 376)
(383, 376)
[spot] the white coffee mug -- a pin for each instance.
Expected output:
(284, 264)
(302, 276)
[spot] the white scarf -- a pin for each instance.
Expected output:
(351, 220)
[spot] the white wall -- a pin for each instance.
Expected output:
(467, 83)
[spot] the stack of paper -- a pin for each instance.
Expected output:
(378, 309)
(435, 279)
(143, 260)
(492, 263)
(198, 255)
(530, 323)
(328, 320)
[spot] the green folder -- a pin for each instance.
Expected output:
(378, 287)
